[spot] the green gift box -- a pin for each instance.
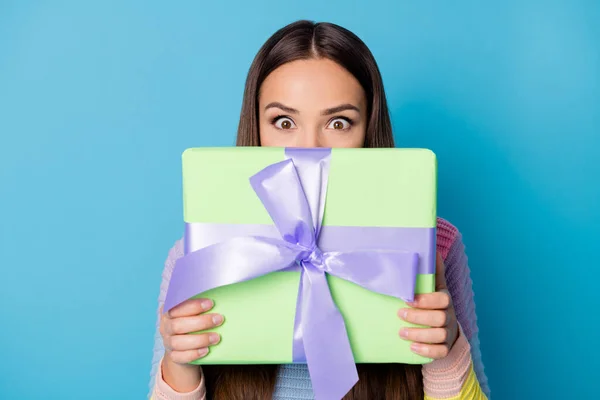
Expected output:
(370, 194)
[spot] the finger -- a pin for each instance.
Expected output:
(191, 307)
(183, 325)
(432, 301)
(192, 342)
(440, 273)
(184, 357)
(435, 351)
(424, 335)
(432, 318)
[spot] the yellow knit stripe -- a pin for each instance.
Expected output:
(470, 390)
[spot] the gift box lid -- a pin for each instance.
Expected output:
(390, 186)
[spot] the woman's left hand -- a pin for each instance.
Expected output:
(434, 310)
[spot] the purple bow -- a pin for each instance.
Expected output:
(293, 193)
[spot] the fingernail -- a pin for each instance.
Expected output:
(203, 352)
(206, 305)
(217, 319)
(403, 313)
(404, 333)
(213, 338)
(416, 348)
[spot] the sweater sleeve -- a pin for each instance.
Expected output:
(162, 391)
(159, 350)
(159, 389)
(462, 372)
(453, 377)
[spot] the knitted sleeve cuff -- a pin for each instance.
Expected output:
(444, 378)
(162, 391)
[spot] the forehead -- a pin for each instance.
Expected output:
(310, 83)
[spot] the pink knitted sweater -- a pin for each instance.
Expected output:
(458, 376)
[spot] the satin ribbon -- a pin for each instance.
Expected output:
(293, 192)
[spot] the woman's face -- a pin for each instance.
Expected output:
(312, 103)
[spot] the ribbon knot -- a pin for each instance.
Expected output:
(313, 256)
(293, 193)
(316, 258)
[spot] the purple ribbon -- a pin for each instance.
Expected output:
(293, 192)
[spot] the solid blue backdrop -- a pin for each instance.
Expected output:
(98, 100)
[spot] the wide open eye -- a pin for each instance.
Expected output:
(340, 124)
(283, 123)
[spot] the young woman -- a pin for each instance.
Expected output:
(318, 85)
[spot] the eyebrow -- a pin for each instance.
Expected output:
(287, 109)
(340, 108)
(329, 111)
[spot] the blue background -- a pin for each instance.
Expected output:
(99, 99)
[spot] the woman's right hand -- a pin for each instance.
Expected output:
(181, 348)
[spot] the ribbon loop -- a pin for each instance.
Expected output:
(279, 189)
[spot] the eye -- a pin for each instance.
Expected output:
(340, 124)
(283, 123)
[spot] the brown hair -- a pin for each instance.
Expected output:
(305, 40)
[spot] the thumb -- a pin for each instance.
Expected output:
(440, 274)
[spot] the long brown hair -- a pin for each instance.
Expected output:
(306, 40)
